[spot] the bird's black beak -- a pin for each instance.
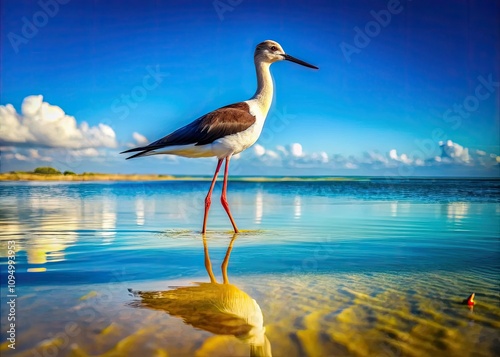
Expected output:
(296, 60)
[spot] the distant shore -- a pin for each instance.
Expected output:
(47, 173)
(16, 176)
(29, 176)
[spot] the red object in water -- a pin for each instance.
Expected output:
(470, 300)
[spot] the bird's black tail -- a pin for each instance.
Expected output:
(143, 150)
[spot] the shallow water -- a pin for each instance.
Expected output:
(350, 268)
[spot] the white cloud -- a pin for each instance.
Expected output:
(44, 125)
(376, 158)
(88, 152)
(291, 155)
(294, 156)
(321, 157)
(15, 156)
(258, 158)
(272, 154)
(140, 139)
(488, 160)
(170, 158)
(35, 155)
(403, 158)
(454, 152)
(31, 155)
(296, 150)
(258, 150)
(451, 154)
(281, 150)
(419, 162)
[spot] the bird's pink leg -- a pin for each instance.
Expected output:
(223, 197)
(226, 259)
(208, 263)
(208, 199)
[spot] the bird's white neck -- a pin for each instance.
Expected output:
(264, 93)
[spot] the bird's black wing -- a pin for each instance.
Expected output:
(224, 121)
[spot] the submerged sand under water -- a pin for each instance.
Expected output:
(383, 314)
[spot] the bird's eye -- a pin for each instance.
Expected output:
(274, 48)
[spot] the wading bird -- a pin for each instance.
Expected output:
(228, 130)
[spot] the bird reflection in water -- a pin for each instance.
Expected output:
(221, 309)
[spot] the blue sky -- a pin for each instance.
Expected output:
(404, 87)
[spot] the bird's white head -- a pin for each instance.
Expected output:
(271, 51)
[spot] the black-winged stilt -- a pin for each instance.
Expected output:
(228, 130)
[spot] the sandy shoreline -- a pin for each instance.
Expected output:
(81, 177)
(143, 177)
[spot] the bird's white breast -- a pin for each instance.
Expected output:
(236, 143)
